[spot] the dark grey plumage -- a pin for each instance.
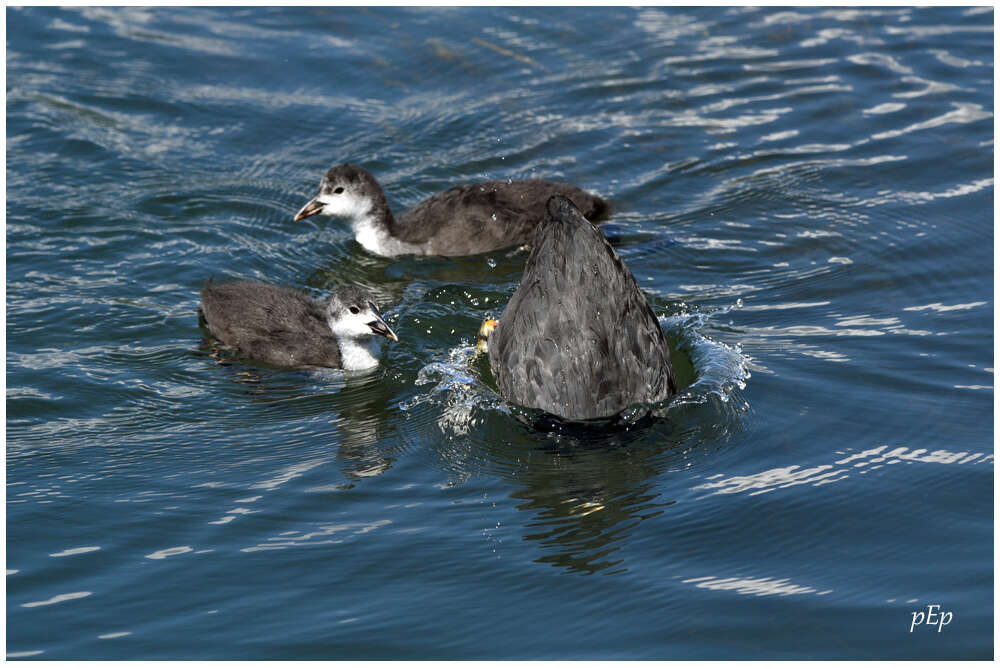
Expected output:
(465, 220)
(284, 327)
(578, 338)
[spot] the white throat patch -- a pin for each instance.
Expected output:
(375, 238)
(369, 230)
(356, 355)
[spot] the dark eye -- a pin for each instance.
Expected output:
(337, 191)
(355, 310)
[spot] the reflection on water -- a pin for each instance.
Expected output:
(860, 463)
(171, 551)
(355, 404)
(58, 598)
(583, 500)
(320, 535)
(74, 552)
(754, 586)
(586, 493)
(585, 488)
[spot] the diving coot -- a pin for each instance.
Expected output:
(578, 338)
(283, 327)
(464, 220)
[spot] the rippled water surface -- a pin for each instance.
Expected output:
(805, 195)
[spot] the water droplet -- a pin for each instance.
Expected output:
(494, 217)
(492, 263)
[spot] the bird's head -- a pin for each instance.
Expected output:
(346, 191)
(351, 313)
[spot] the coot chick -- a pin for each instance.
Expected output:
(283, 327)
(465, 220)
(578, 338)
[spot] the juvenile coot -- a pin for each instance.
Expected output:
(464, 220)
(578, 338)
(283, 327)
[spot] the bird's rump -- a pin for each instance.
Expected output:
(578, 338)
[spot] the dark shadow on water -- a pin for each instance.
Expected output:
(355, 405)
(596, 430)
(586, 487)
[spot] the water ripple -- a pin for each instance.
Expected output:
(804, 194)
(859, 463)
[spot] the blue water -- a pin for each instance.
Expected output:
(805, 195)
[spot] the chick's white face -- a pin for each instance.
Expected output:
(339, 197)
(348, 324)
(338, 201)
(356, 318)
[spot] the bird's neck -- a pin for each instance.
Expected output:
(374, 230)
(357, 355)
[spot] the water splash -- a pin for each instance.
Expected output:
(462, 390)
(458, 391)
(721, 370)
